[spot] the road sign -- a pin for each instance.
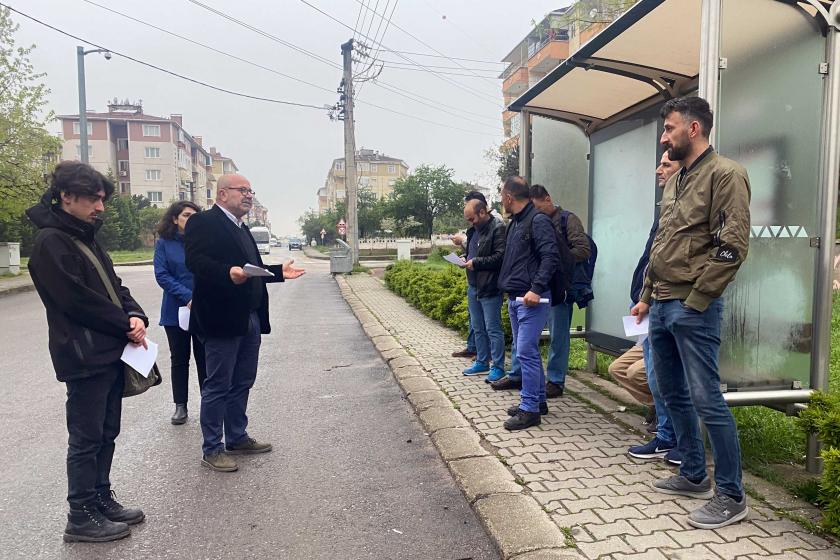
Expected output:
(342, 227)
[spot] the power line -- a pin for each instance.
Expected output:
(438, 107)
(209, 47)
(397, 62)
(378, 83)
(424, 120)
(427, 45)
(451, 57)
(266, 34)
(445, 79)
(358, 16)
(444, 73)
(249, 62)
(164, 70)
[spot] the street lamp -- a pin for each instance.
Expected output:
(83, 135)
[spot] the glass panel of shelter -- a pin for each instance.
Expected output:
(769, 121)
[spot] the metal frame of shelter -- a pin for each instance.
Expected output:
(629, 70)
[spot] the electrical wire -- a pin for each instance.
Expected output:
(427, 45)
(451, 57)
(164, 70)
(209, 47)
(198, 82)
(475, 92)
(266, 34)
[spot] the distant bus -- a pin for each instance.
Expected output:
(263, 238)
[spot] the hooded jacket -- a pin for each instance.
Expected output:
(87, 332)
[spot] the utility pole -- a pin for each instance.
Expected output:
(350, 186)
(83, 135)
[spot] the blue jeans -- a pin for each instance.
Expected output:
(527, 324)
(471, 336)
(486, 324)
(685, 346)
(231, 372)
(559, 322)
(664, 427)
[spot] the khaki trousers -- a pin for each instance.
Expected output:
(629, 371)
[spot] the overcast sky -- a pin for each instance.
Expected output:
(286, 151)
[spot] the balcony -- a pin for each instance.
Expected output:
(516, 82)
(547, 55)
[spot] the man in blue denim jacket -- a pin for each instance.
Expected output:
(531, 257)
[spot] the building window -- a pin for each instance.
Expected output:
(155, 196)
(77, 128)
(152, 152)
(182, 195)
(122, 167)
(392, 169)
(364, 167)
(122, 144)
(391, 182)
(79, 150)
(339, 166)
(151, 130)
(373, 168)
(209, 193)
(125, 188)
(153, 174)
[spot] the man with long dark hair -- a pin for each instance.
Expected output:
(87, 335)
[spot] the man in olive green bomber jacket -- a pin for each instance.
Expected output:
(703, 238)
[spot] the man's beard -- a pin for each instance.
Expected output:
(677, 153)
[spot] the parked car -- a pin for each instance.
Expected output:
(295, 243)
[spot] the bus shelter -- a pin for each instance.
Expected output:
(770, 69)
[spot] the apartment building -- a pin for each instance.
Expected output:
(375, 172)
(147, 155)
(549, 43)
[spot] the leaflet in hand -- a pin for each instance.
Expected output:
(141, 359)
(455, 259)
(184, 318)
(633, 329)
(542, 300)
(251, 270)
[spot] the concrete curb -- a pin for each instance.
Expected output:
(315, 254)
(518, 525)
(16, 289)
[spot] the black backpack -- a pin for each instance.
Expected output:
(561, 280)
(580, 290)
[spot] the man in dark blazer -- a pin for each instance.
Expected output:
(229, 313)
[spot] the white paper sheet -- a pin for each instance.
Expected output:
(632, 329)
(141, 359)
(542, 300)
(455, 259)
(184, 318)
(251, 270)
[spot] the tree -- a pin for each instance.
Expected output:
(424, 195)
(27, 150)
(506, 160)
(371, 211)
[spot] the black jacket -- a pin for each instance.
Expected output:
(489, 254)
(641, 268)
(221, 308)
(87, 332)
(529, 264)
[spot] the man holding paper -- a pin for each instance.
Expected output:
(229, 313)
(530, 260)
(88, 333)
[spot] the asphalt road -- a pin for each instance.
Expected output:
(352, 474)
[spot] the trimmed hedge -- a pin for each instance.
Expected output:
(440, 293)
(822, 417)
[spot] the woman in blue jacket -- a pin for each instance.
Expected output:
(177, 282)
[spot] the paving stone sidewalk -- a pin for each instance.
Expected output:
(575, 463)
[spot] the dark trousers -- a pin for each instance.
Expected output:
(94, 411)
(179, 354)
(231, 372)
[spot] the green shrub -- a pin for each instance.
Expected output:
(822, 417)
(439, 292)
